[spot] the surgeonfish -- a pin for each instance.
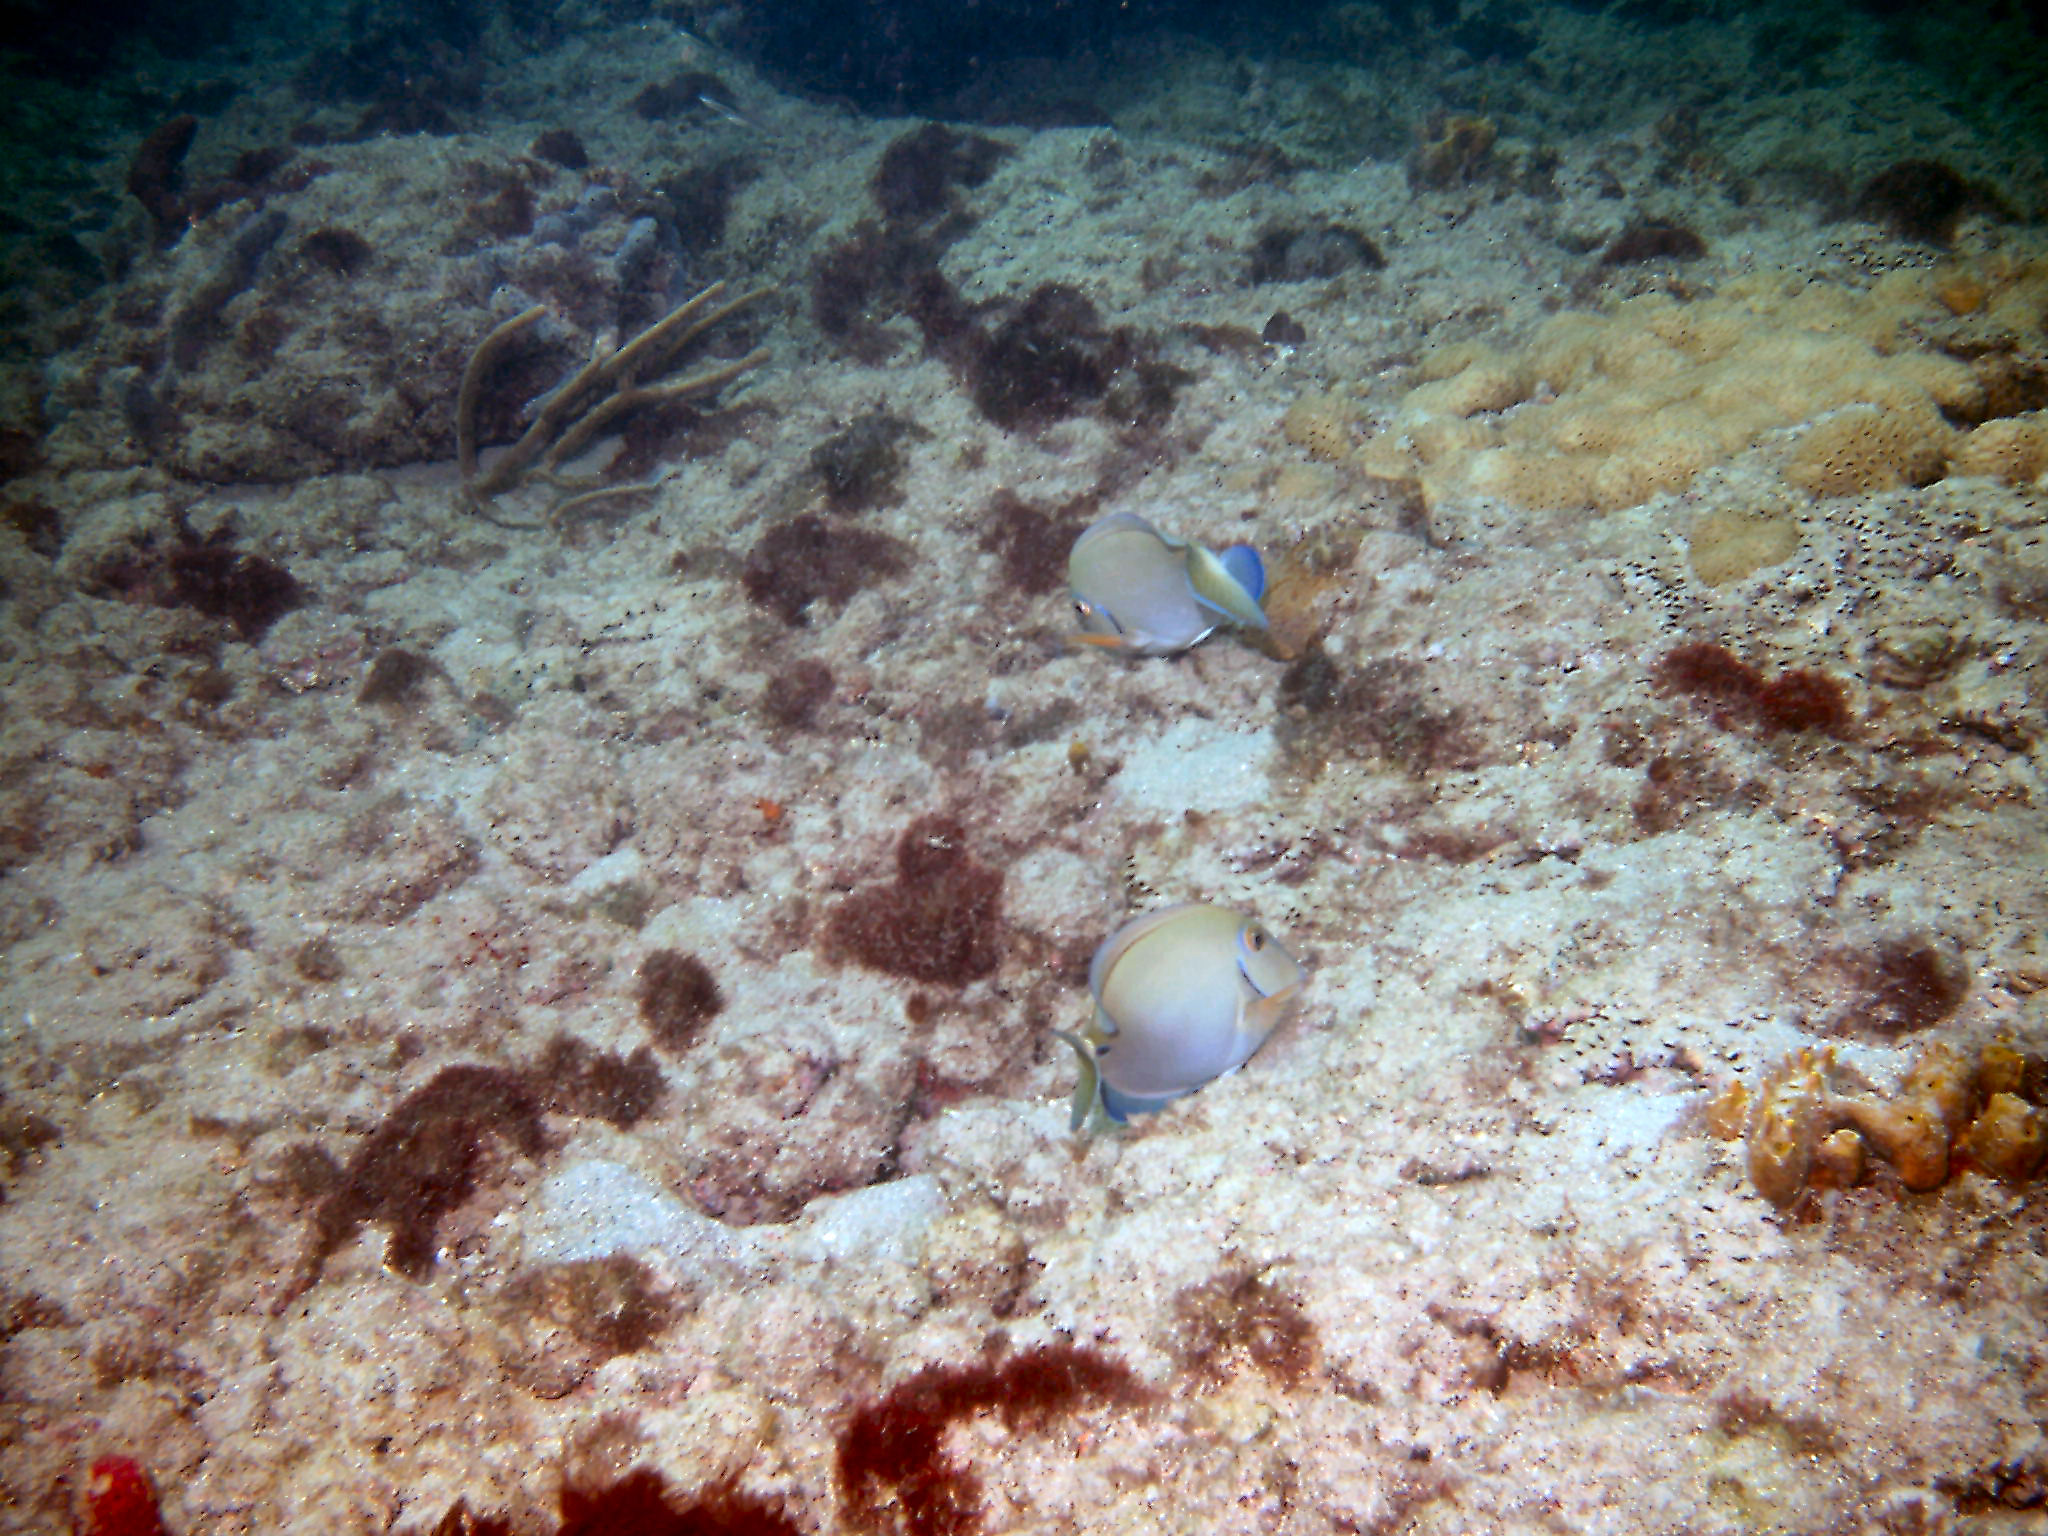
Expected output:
(1138, 590)
(1182, 996)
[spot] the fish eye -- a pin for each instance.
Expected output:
(1255, 939)
(1096, 620)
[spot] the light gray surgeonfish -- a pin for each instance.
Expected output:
(1139, 591)
(1182, 996)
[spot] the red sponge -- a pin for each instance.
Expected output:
(119, 1500)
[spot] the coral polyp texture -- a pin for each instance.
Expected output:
(515, 1025)
(1843, 389)
(1948, 1113)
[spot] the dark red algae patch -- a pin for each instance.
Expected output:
(573, 1077)
(416, 1167)
(809, 559)
(1653, 241)
(915, 177)
(1900, 987)
(1236, 1315)
(1034, 541)
(940, 920)
(640, 1504)
(677, 996)
(432, 1150)
(1799, 699)
(893, 1470)
(206, 575)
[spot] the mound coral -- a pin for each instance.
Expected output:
(1948, 1112)
(1853, 390)
(2013, 449)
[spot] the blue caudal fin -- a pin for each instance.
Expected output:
(1246, 568)
(1219, 583)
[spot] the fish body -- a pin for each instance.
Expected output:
(1143, 592)
(1182, 996)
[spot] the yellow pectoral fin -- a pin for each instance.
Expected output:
(1088, 1111)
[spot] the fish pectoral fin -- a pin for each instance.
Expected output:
(1088, 1112)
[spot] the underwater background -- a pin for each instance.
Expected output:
(553, 821)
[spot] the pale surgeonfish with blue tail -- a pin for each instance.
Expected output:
(1182, 996)
(1140, 591)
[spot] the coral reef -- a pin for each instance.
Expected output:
(521, 1032)
(257, 347)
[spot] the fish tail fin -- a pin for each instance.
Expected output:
(1243, 563)
(1229, 584)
